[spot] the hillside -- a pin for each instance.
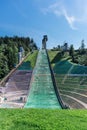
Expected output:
(71, 79)
(51, 119)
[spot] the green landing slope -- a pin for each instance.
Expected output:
(42, 93)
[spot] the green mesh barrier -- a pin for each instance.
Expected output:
(42, 93)
(65, 67)
(78, 69)
(62, 67)
(25, 66)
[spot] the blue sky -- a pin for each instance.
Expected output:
(61, 20)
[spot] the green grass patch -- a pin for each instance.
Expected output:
(56, 56)
(42, 119)
(32, 58)
(52, 54)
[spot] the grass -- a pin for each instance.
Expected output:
(32, 58)
(52, 54)
(42, 119)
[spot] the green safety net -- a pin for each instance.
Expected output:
(79, 69)
(65, 67)
(42, 93)
(25, 66)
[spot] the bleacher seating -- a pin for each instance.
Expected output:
(19, 80)
(77, 84)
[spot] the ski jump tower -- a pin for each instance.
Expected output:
(44, 40)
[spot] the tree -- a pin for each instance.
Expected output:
(65, 46)
(15, 54)
(82, 49)
(71, 52)
(9, 51)
(59, 48)
(3, 64)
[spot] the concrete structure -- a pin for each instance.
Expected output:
(44, 40)
(20, 54)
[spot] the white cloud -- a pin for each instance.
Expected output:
(70, 19)
(52, 9)
(59, 10)
(74, 12)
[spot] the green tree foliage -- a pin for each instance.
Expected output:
(82, 48)
(78, 56)
(71, 52)
(3, 64)
(65, 46)
(9, 47)
(83, 60)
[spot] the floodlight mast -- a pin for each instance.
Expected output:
(44, 40)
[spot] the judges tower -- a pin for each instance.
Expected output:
(44, 40)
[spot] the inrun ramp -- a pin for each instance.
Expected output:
(42, 93)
